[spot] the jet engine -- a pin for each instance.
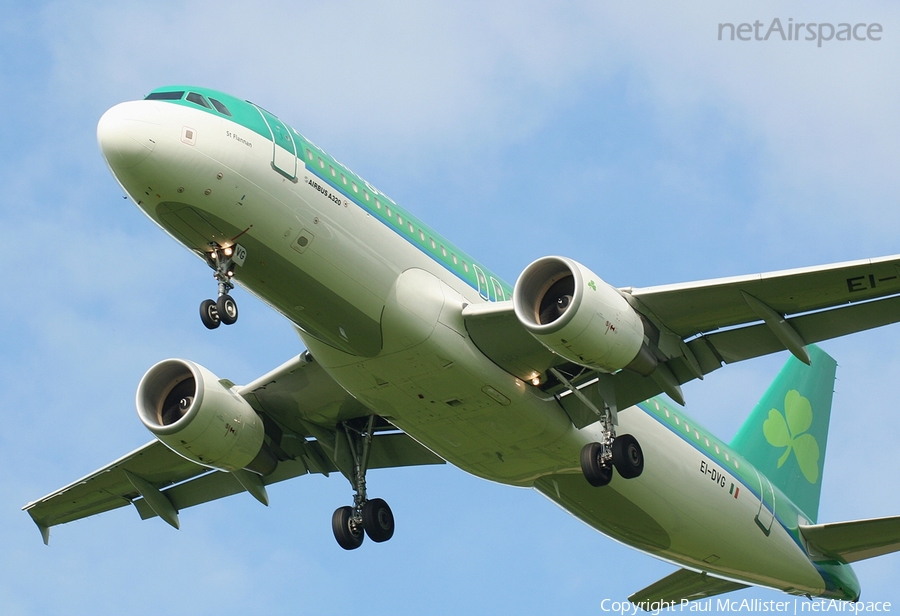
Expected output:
(578, 316)
(202, 418)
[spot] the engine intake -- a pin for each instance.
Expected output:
(195, 415)
(577, 315)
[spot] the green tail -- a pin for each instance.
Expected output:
(786, 434)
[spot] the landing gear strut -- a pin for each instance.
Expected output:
(223, 261)
(598, 459)
(374, 518)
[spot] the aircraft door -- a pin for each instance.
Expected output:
(284, 149)
(483, 289)
(498, 289)
(765, 517)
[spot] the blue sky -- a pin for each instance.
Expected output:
(628, 138)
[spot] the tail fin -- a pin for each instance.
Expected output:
(786, 434)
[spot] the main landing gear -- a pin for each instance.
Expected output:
(622, 452)
(223, 261)
(374, 518)
(598, 459)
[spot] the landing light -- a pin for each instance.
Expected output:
(536, 381)
(228, 252)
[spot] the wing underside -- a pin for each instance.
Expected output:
(704, 325)
(303, 409)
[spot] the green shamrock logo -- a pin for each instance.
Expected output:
(788, 431)
(592, 285)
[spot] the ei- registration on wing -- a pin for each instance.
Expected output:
(703, 325)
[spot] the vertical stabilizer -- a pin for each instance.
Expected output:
(786, 434)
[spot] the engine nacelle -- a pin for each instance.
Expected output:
(575, 314)
(186, 407)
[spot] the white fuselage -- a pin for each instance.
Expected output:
(384, 319)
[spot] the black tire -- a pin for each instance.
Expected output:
(227, 309)
(628, 457)
(378, 520)
(347, 534)
(596, 473)
(209, 314)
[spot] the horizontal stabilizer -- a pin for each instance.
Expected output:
(852, 541)
(683, 584)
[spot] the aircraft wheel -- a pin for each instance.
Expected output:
(628, 457)
(378, 520)
(227, 309)
(209, 314)
(596, 473)
(349, 536)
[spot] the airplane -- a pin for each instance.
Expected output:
(417, 353)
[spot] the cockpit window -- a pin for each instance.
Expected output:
(197, 98)
(164, 96)
(220, 107)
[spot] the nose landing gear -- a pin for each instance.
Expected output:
(223, 261)
(374, 518)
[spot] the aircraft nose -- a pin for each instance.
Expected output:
(127, 133)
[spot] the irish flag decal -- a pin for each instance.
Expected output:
(734, 490)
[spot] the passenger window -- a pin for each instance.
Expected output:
(309, 154)
(388, 211)
(355, 187)
(220, 107)
(197, 99)
(377, 204)
(343, 179)
(366, 195)
(333, 172)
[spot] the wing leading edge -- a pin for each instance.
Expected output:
(303, 408)
(704, 325)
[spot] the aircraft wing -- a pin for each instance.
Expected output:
(683, 584)
(853, 541)
(704, 325)
(301, 406)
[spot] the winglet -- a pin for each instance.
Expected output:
(45, 530)
(45, 533)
